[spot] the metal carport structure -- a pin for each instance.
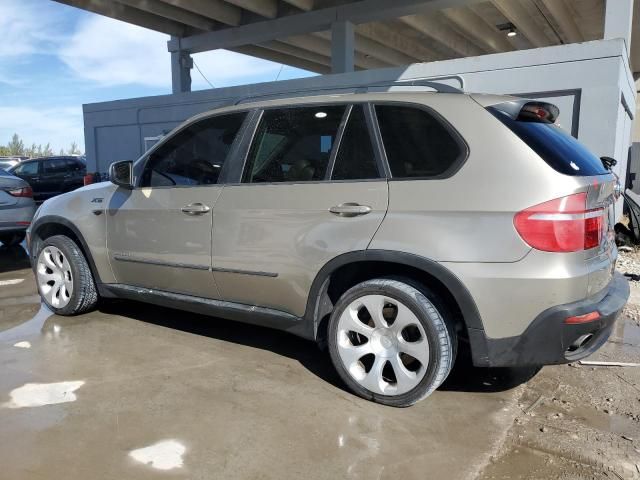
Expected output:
(581, 54)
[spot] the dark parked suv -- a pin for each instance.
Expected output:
(51, 176)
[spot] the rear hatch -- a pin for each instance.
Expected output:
(533, 123)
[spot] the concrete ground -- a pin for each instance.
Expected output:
(138, 391)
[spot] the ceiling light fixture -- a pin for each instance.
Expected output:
(509, 27)
(321, 115)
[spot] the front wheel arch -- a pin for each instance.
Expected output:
(50, 225)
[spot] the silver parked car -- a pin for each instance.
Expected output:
(16, 208)
(389, 227)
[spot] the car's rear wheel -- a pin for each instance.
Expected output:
(64, 279)
(12, 239)
(390, 343)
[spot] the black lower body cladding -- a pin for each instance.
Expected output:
(549, 340)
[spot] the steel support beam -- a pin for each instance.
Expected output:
(181, 65)
(618, 19)
(362, 11)
(342, 47)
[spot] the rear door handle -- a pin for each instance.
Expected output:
(350, 209)
(195, 209)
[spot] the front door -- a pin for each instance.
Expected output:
(159, 234)
(312, 189)
(30, 173)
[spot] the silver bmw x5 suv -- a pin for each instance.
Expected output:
(389, 227)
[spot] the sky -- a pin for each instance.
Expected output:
(54, 58)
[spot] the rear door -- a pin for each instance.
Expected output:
(159, 234)
(312, 188)
(74, 177)
(53, 177)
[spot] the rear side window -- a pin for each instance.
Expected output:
(355, 159)
(417, 144)
(195, 155)
(55, 166)
(293, 144)
(74, 165)
(560, 150)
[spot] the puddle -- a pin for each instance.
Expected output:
(605, 422)
(164, 455)
(28, 328)
(41, 394)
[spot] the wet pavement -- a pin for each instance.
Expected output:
(138, 391)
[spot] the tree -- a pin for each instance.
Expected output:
(61, 152)
(47, 150)
(15, 146)
(73, 149)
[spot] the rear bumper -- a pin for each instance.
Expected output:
(13, 227)
(548, 340)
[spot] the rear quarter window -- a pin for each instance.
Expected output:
(417, 143)
(557, 148)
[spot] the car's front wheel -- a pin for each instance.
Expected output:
(64, 278)
(390, 343)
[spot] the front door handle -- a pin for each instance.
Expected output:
(350, 209)
(195, 209)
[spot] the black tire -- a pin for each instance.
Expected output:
(12, 239)
(85, 294)
(438, 328)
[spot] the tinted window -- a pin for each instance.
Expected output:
(560, 150)
(416, 143)
(195, 155)
(74, 165)
(55, 166)
(293, 144)
(355, 159)
(29, 168)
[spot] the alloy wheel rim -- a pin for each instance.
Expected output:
(382, 345)
(55, 279)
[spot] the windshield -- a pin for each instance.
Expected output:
(556, 147)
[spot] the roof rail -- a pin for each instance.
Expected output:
(434, 84)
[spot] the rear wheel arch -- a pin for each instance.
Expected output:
(347, 270)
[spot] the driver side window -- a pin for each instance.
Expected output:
(195, 155)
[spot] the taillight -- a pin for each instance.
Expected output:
(88, 179)
(561, 225)
(21, 192)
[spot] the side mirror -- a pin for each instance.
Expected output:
(121, 174)
(608, 162)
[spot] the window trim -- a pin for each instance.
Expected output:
(375, 147)
(335, 148)
(459, 139)
(140, 165)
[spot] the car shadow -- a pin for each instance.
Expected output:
(463, 378)
(13, 258)
(278, 342)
